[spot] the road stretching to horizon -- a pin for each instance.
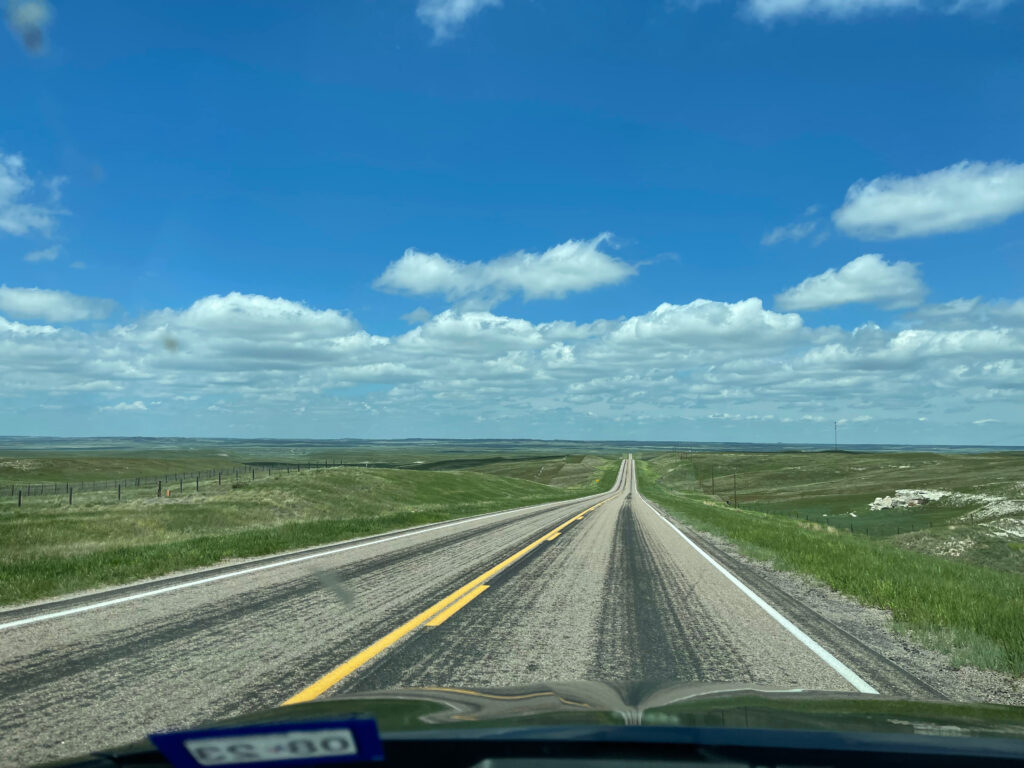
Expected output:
(600, 588)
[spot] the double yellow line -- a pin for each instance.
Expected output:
(435, 615)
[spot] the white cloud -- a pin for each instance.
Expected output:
(471, 333)
(985, 421)
(52, 306)
(767, 11)
(572, 266)
(417, 316)
(702, 323)
(55, 186)
(963, 196)
(242, 337)
(256, 317)
(138, 405)
(253, 363)
(973, 313)
(78, 265)
(868, 278)
(915, 348)
(770, 10)
(978, 6)
(46, 254)
(797, 231)
(445, 17)
(18, 217)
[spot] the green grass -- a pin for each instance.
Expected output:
(836, 489)
(50, 548)
(973, 612)
(22, 470)
(563, 471)
(59, 460)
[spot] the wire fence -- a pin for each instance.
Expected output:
(161, 483)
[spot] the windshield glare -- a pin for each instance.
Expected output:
(468, 363)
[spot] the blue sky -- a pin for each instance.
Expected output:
(529, 218)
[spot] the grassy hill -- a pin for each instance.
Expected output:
(48, 547)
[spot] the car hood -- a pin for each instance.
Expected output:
(657, 704)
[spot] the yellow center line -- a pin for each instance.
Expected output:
(554, 535)
(452, 609)
(342, 671)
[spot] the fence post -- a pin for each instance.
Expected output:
(180, 485)
(218, 478)
(19, 498)
(70, 496)
(159, 487)
(197, 482)
(118, 491)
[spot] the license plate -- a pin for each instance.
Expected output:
(269, 745)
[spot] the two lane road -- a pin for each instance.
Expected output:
(597, 588)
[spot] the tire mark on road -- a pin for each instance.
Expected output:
(655, 625)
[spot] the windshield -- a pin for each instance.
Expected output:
(536, 359)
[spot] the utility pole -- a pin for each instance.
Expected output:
(835, 436)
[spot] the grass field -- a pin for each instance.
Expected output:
(60, 460)
(980, 520)
(801, 506)
(49, 548)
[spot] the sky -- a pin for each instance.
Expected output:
(736, 220)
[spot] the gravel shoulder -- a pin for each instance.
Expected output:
(875, 628)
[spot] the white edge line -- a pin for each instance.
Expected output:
(848, 674)
(281, 563)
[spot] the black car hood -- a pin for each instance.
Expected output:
(725, 705)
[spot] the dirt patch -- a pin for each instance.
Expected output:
(19, 465)
(991, 506)
(907, 497)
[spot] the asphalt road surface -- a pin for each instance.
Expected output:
(601, 588)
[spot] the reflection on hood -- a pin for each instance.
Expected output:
(659, 703)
